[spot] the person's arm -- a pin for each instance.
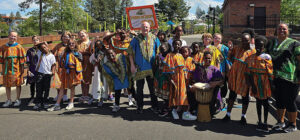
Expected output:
(53, 68)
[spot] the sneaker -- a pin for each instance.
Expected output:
(265, 128)
(37, 106)
(30, 101)
(65, 98)
(188, 116)
(163, 113)
(55, 99)
(290, 128)
(46, 106)
(17, 103)
(175, 114)
(226, 118)
(279, 126)
(130, 101)
(100, 103)
(259, 126)
(139, 111)
(7, 103)
(111, 97)
(70, 106)
(116, 108)
(86, 98)
(54, 108)
(243, 121)
(154, 110)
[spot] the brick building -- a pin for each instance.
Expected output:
(260, 15)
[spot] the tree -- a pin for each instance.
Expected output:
(290, 11)
(174, 9)
(18, 14)
(3, 29)
(199, 12)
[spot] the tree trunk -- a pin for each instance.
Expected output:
(40, 22)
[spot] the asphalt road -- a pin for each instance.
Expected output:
(91, 122)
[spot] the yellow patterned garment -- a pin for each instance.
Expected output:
(12, 58)
(216, 54)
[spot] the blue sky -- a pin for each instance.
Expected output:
(8, 6)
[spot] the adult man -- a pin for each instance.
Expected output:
(13, 57)
(142, 53)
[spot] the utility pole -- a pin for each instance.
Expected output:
(40, 22)
(214, 18)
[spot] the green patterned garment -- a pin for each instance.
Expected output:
(284, 59)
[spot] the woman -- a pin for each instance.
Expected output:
(225, 63)
(286, 59)
(71, 74)
(58, 51)
(236, 78)
(208, 73)
(84, 47)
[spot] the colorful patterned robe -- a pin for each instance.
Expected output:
(261, 70)
(58, 52)
(143, 51)
(216, 54)
(161, 81)
(86, 50)
(174, 65)
(12, 58)
(198, 58)
(236, 77)
(71, 74)
(189, 68)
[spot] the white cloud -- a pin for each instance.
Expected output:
(144, 2)
(8, 6)
(191, 16)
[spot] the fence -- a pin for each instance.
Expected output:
(28, 40)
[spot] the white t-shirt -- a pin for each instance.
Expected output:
(171, 43)
(46, 62)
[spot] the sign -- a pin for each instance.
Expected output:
(137, 15)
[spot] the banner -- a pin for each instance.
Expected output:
(137, 15)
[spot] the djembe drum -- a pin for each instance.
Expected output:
(203, 94)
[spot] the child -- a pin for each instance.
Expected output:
(13, 57)
(189, 68)
(161, 83)
(175, 67)
(197, 52)
(32, 60)
(71, 74)
(258, 74)
(44, 70)
(98, 58)
(116, 70)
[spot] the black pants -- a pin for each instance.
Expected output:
(285, 94)
(224, 89)
(140, 93)
(233, 96)
(42, 87)
(117, 97)
(192, 100)
(32, 90)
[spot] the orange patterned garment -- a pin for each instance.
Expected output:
(119, 46)
(58, 52)
(236, 76)
(175, 67)
(12, 58)
(71, 74)
(85, 49)
(261, 70)
(198, 58)
(188, 69)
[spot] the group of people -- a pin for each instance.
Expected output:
(257, 67)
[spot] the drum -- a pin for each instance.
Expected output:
(203, 95)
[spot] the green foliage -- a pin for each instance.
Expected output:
(162, 22)
(3, 29)
(174, 9)
(18, 14)
(290, 11)
(199, 12)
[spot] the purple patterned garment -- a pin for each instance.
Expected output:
(206, 75)
(32, 60)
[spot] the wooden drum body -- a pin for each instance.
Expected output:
(203, 94)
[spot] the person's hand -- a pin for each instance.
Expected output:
(30, 74)
(173, 84)
(133, 69)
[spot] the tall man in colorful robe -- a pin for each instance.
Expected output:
(142, 53)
